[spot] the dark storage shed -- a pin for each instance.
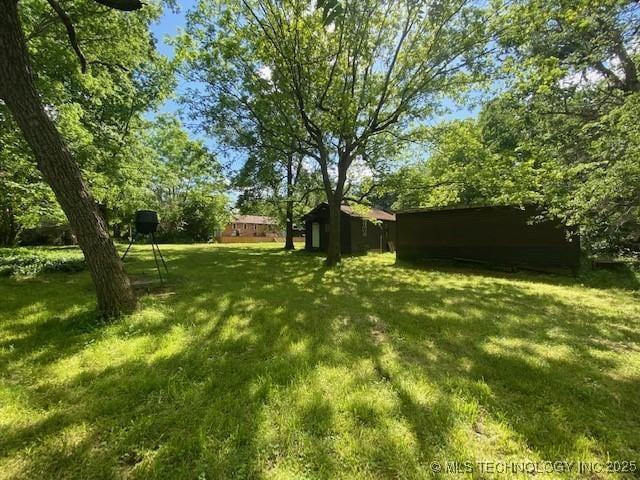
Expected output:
(357, 233)
(496, 235)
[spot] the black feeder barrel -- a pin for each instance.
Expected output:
(146, 221)
(147, 224)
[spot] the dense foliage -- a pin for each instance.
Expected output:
(574, 102)
(563, 133)
(98, 111)
(187, 183)
(23, 262)
(101, 113)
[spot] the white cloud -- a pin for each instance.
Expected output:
(581, 79)
(590, 76)
(265, 72)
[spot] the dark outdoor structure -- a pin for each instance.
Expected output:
(357, 233)
(146, 222)
(493, 235)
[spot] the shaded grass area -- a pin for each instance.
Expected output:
(257, 363)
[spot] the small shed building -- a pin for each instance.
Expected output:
(504, 235)
(358, 233)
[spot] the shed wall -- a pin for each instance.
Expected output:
(352, 240)
(499, 235)
(322, 217)
(379, 234)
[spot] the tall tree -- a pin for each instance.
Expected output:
(238, 102)
(468, 163)
(54, 159)
(354, 70)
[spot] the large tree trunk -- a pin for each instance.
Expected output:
(334, 199)
(288, 244)
(334, 254)
(58, 167)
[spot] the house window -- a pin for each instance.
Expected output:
(244, 226)
(364, 228)
(255, 226)
(233, 226)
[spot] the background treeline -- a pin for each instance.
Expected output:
(160, 168)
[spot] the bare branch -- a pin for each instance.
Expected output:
(71, 33)
(363, 195)
(122, 5)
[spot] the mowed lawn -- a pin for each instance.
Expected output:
(256, 363)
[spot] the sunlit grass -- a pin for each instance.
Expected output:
(256, 363)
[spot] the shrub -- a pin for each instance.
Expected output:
(31, 264)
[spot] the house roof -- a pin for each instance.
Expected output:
(257, 219)
(372, 213)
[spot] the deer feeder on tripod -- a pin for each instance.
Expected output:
(146, 222)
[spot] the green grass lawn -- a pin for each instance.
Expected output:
(256, 363)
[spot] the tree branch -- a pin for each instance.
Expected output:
(363, 195)
(71, 32)
(122, 5)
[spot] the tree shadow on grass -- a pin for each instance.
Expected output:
(548, 368)
(266, 362)
(623, 276)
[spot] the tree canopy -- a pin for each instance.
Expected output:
(348, 74)
(98, 112)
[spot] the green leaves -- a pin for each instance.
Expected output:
(331, 10)
(186, 182)
(24, 198)
(556, 40)
(572, 69)
(100, 113)
(124, 5)
(346, 78)
(466, 168)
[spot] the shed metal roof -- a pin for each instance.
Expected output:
(460, 207)
(372, 213)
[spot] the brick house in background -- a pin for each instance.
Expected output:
(252, 226)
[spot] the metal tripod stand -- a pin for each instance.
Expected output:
(154, 247)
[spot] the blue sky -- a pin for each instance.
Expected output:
(168, 26)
